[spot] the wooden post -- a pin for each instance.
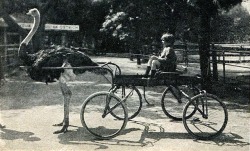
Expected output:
(1, 70)
(5, 46)
(224, 65)
(185, 54)
(138, 58)
(214, 62)
(2, 53)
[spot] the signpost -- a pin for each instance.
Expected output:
(61, 27)
(53, 27)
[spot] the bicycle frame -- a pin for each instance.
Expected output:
(204, 110)
(107, 108)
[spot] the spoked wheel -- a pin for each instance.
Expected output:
(96, 115)
(173, 101)
(210, 118)
(133, 100)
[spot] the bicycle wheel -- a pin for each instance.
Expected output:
(133, 102)
(173, 102)
(210, 118)
(96, 117)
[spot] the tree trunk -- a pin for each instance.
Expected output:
(204, 48)
(38, 39)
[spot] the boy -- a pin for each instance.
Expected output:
(167, 59)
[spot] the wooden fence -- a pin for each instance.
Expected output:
(228, 57)
(8, 58)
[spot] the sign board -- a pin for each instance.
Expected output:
(61, 27)
(25, 25)
(57, 27)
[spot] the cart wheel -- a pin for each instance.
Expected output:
(210, 118)
(173, 101)
(133, 102)
(96, 117)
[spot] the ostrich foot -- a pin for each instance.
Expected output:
(64, 129)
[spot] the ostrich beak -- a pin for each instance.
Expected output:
(29, 13)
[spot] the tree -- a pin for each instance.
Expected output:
(206, 10)
(231, 26)
(139, 23)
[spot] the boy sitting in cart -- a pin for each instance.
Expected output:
(167, 59)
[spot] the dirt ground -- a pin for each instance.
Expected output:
(28, 109)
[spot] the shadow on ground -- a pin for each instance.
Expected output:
(9, 134)
(144, 137)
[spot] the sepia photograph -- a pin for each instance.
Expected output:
(130, 75)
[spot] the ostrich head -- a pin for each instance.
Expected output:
(36, 15)
(33, 12)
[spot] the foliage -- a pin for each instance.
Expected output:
(230, 22)
(144, 22)
(212, 6)
(89, 14)
(231, 26)
(137, 23)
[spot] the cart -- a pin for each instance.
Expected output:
(105, 114)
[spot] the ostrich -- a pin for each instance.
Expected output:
(53, 57)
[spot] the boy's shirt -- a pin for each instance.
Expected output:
(165, 52)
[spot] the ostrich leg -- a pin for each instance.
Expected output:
(67, 95)
(67, 75)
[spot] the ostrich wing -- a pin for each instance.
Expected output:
(55, 58)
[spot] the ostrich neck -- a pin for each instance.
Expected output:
(33, 30)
